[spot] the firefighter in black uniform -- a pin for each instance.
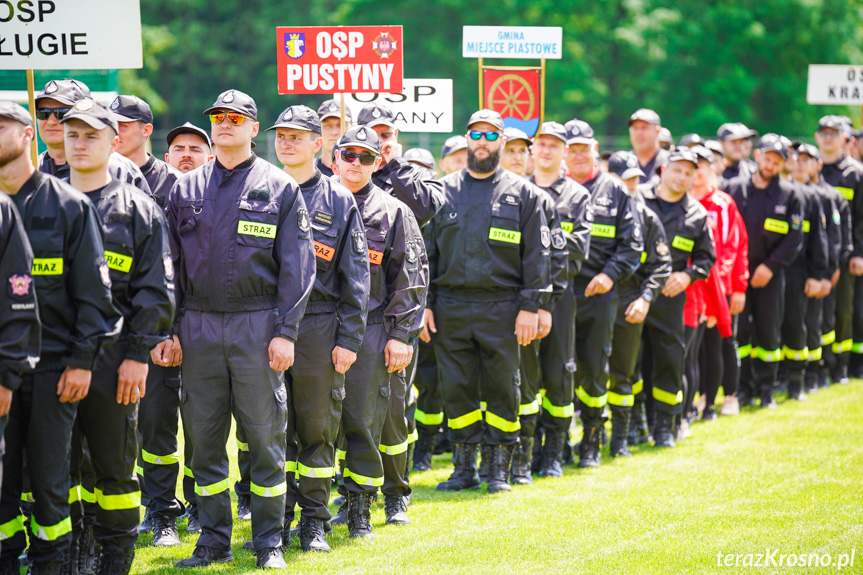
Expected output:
(807, 281)
(20, 332)
(422, 193)
(615, 251)
(55, 99)
(331, 332)
(773, 215)
(570, 235)
(734, 137)
(72, 280)
(636, 295)
(489, 260)
(692, 255)
(644, 130)
(846, 175)
(397, 295)
(188, 147)
(331, 130)
(244, 261)
(137, 253)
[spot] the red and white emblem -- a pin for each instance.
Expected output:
(384, 45)
(20, 284)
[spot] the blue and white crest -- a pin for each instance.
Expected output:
(295, 44)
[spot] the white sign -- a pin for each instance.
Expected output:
(422, 106)
(70, 34)
(836, 85)
(512, 42)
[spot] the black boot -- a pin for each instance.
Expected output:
(521, 462)
(341, 516)
(795, 390)
(485, 462)
(312, 535)
(638, 431)
(423, 449)
(501, 459)
(41, 568)
(663, 430)
(588, 451)
(619, 429)
(396, 510)
(360, 514)
(70, 561)
(193, 524)
(767, 400)
(536, 457)
(116, 561)
(244, 508)
(165, 532)
(551, 464)
(465, 475)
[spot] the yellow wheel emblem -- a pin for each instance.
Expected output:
(507, 91)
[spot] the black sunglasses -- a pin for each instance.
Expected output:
(350, 157)
(45, 113)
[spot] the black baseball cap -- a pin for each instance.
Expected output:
(298, 118)
(553, 129)
(132, 109)
(64, 91)
(93, 114)
(15, 112)
(690, 140)
(235, 101)
(578, 132)
(362, 137)
(487, 116)
(420, 156)
(702, 153)
(331, 109)
(773, 143)
(376, 114)
(645, 115)
(809, 150)
(453, 144)
(188, 128)
(625, 165)
(514, 134)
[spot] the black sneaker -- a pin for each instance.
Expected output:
(312, 535)
(165, 532)
(203, 556)
(396, 510)
(244, 508)
(271, 558)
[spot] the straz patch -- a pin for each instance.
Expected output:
(558, 240)
(502, 235)
(257, 229)
(545, 236)
(602, 231)
(567, 227)
(806, 226)
(376, 258)
(776, 226)
(847, 193)
(118, 262)
(358, 241)
(683, 244)
(323, 218)
(303, 221)
(20, 285)
(324, 252)
(47, 266)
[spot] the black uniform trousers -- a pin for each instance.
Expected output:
(40, 426)
(843, 341)
(665, 330)
(594, 331)
(719, 363)
(557, 363)
(692, 374)
(243, 485)
(530, 373)
(795, 349)
(110, 431)
(814, 325)
(395, 435)
(315, 395)
(158, 422)
(761, 336)
(367, 393)
(478, 357)
(429, 409)
(624, 382)
(857, 327)
(226, 368)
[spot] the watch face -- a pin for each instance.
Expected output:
(648, 297)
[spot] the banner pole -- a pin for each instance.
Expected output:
(541, 95)
(481, 95)
(34, 145)
(342, 112)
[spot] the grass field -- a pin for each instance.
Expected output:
(787, 479)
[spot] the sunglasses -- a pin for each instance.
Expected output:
(233, 117)
(351, 157)
(45, 113)
(489, 136)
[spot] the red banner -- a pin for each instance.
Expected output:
(349, 59)
(516, 95)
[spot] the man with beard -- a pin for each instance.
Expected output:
(773, 215)
(330, 113)
(189, 147)
(644, 130)
(489, 270)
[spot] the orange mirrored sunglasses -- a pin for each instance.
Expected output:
(233, 117)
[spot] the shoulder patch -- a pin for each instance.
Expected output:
(303, 220)
(411, 252)
(558, 241)
(20, 285)
(105, 274)
(168, 264)
(662, 249)
(545, 236)
(358, 241)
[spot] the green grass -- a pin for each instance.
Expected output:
(787, 479)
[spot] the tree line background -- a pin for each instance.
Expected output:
(698, 63)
